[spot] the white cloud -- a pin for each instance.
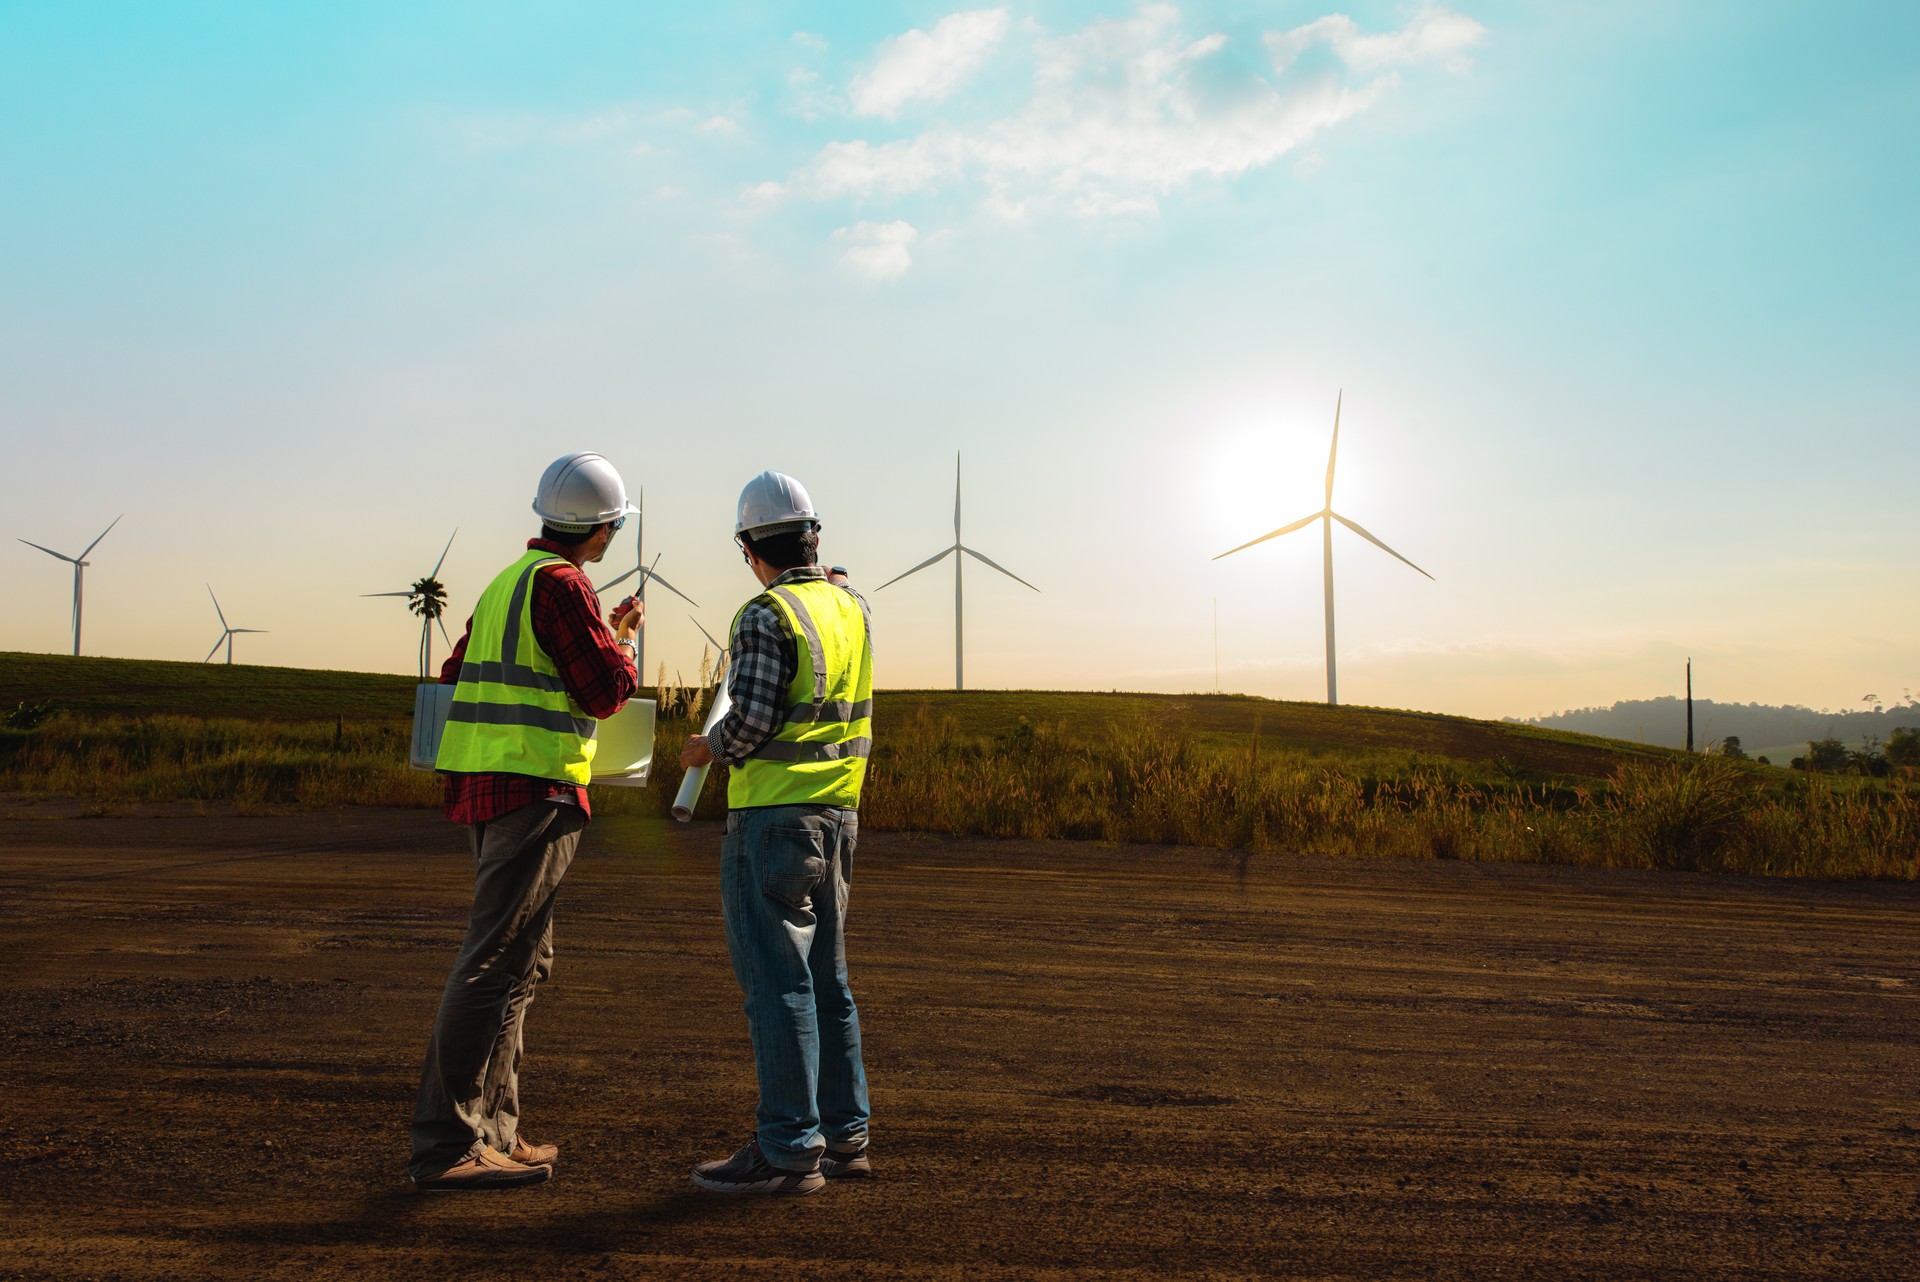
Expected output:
(718, 125)
(811, 41)
(877, 251)
(1433, 34)
(1124, 112)
(920, 66)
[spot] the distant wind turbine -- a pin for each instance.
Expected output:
(959, 681)
(646, 572)
(227, 631)
(428, 599)
(1327, 516)
(80, 564)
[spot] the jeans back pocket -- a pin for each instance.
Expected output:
(794, 865)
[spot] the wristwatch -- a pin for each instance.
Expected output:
(630, 643)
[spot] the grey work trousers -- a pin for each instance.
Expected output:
(470, 1085)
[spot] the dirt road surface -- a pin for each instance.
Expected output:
(1087, 1062)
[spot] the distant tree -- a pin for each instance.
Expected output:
(1798, 763)
(1869, 760)
(1763, 761)
(1903, 746)
(1730, 747)
(1826, 755)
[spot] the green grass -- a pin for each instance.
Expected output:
(1226, 771)
(156, 687)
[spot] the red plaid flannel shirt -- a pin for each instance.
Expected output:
(598, 674)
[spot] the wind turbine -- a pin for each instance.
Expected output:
(645, 571)
(959, 682)
(227, 631)
(1327, 516)
(80, 564)
(428, 599)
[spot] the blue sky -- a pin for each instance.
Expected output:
(1619, 295)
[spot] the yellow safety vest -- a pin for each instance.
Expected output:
(818, 757)
(511, 713)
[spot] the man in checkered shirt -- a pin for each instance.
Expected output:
(797, 740)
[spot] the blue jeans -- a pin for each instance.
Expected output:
(785, 872)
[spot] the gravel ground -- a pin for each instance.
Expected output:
(1087, 1062)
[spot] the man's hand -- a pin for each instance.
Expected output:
(696, 752)
(628, 618)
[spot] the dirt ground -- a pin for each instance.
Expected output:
(1087, 1062)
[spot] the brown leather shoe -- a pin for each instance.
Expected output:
(534, 1154)
(485, 1170)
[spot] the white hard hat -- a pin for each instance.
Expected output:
(579, 492)
(774, 503)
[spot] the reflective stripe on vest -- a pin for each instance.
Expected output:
(819, 754)
(511, 713)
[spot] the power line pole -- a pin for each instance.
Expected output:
(1689, 705)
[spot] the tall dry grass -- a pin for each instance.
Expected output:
(1138, 782)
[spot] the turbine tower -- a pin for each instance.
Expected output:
(80, 564)
(1327, 516)
(645, 571)
(959, 675)
(428, 599)
(227, 631)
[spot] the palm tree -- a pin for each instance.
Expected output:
(428, 599)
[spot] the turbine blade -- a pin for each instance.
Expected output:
(216, 648)
(364, 594)
(655, 578)
(443, 552)
(443, 633)
(1334, 451)
(956, 497)
(216, 606)
(996, 565)
(237, 631)
(614, 583)
(1285, 529)
(1354, 526)
(932, 560)
(103, 534)
(50, 552)
(708, 635)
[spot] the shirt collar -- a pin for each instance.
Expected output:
(800, 574)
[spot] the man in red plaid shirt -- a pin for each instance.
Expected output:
(543, 668)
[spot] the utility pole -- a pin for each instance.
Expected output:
(1689, 705)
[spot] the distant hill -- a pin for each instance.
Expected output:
(1760, 727)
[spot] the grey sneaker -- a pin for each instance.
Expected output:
(749, 1172)
(848, 1165)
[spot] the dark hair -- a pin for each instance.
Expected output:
(787, 550)
(565, 538)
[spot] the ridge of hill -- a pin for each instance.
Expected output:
(101, 687)
(1760, 727)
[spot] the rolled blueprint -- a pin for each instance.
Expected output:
(696, 778)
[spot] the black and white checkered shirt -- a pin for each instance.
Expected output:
(764, 657)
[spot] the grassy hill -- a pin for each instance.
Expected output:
(94, 688)
(157, 687)
(1226, 771)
